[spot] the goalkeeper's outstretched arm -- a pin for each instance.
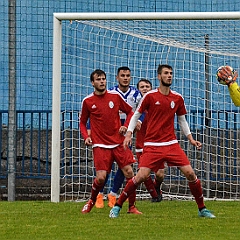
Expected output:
(228, 76)
(234, 91)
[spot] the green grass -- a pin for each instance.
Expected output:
(165, 220)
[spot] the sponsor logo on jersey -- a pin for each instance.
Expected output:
(111, 104)
(172, 104)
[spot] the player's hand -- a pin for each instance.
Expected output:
(228, 75)
(88, 141)
(197, 144)
(122, 130)
(128, 140)
(138, 126)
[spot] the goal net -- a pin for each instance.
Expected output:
(195, 45)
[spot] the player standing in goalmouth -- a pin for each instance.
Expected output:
(144, 86)
(160, 144)
(132, 96)
(102, 109)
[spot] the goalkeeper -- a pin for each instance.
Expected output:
(234, 91)
(229, 78)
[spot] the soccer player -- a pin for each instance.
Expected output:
(144, 86)
(107, 134)
(132, 96)
(160, 144)
(230, 77)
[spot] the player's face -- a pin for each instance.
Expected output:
(124, 78)
(165, 77)
(99, 83)
(144, 87)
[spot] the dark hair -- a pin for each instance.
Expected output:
(161, 66)
(144, 80)
(124, 68)
(98, 72)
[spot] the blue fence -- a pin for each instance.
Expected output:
(33, 139)
(33, 143)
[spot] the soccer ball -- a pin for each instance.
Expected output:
(224, 76)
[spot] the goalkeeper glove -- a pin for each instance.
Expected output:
(227, 75)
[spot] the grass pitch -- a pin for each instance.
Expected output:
(165, 220)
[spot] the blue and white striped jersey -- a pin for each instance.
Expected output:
(132, 97)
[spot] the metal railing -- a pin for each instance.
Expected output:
(33, 139)
(33, 142)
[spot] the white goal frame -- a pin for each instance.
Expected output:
(57, 41)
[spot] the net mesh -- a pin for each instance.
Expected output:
(195, 49)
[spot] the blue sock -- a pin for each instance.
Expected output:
(104, 183)
(118, 181)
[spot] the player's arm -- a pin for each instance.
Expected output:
(186, 131)
(85, 133)
(139, 122)
(129, 115)
(125, 108)
(83, 125)
(133, 122)
(83, 128)
(234, 91)
(227, 76)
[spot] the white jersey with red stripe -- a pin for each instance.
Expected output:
(161, 111)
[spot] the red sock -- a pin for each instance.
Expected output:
(96, 187)
(156, 183)
(128, 192)
(196, 190)
(150, 187)
(132, 196)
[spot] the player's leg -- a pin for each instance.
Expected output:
(125, 163)
(129, 190)
(175, 156)
(151, 189)
(100, 201)
(103, 163)
(117, 184)
(196, 190)
(98, 184)
(159, 177)
(194, 184)
(149, 182)
(132, 197)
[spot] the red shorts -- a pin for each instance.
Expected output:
(138, 155)
(155, 157)
(104, 157)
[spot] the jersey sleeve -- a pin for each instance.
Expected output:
(83, 119)
(143, 104)
(234, 91)
(126, 108)
(142, 117)
(182, 108)
(138, 96)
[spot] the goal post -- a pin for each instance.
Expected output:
(56, 109)
(195, 44)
